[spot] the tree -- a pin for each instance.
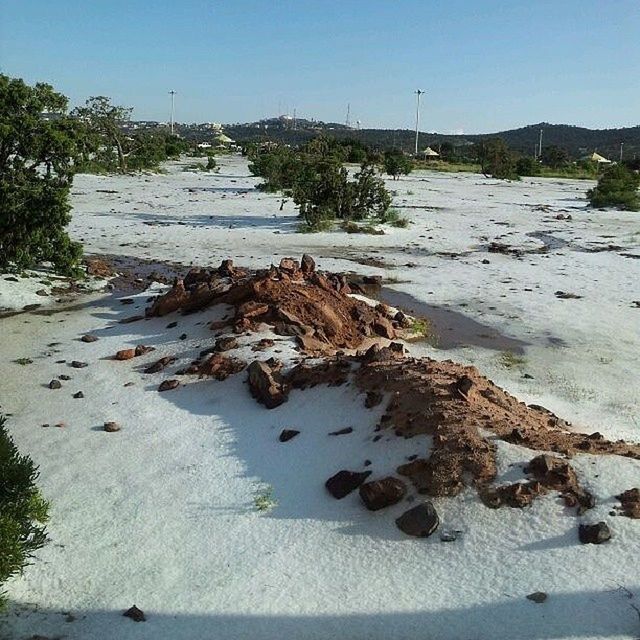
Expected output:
(527, 166)
(396, 164)
(618, 188)
(496, 159)
(23, 511)
(554, 157)
(37, 154)
(103, 123)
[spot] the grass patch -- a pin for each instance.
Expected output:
(422, 329)
(319, 225)
(23, 510)
(352, 227)
(265, 500)
(509, 360)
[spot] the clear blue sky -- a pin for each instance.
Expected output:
(486, 64)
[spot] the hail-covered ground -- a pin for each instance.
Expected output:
(521, 279)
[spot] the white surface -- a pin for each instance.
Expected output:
(161, 514)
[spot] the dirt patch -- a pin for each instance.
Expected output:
(293, 298)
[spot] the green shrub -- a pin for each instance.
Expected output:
(496, 159)
(36, 172)
(618, 188)
(396, 164)
(23, 511)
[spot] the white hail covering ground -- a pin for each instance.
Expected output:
(162, 514)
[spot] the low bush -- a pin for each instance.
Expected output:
(23, 511)
(617, 188)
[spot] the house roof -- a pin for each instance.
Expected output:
(596, 157)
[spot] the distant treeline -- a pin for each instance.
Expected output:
(576, 141)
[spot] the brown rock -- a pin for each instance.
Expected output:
(382, 493)
(141, 349)
(125, 354)
(89, 338)
(308, 264)
(266, 385)
(137, 615)
(419, 521)
(630, 500)
(168, 385)
(344, 482)
(160, 364)
(289, 265)
(594, 533)
(111, 427)
(226, 343)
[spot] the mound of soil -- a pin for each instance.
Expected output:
(296, 300)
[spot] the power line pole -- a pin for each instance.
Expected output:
(348, 120)
(173, 105)
(621, 146)
(418, 93)
(540, 145)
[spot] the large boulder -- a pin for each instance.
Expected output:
(266, 384)
(344, 482)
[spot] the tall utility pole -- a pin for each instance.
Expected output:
(418, 93)
(540, 145)
(172, 93)
(348, 120)
(621, 146)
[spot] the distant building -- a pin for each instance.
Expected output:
(596, 157)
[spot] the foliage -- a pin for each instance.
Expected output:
(496, 159)
(36, 172)
(23, 511)
(265, 500)
(509, 360)
(319, 183)
(618, 188)
(527, 166)
(108, 148)
(396, 164)
(554, 157)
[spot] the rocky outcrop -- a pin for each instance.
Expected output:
(266, 384)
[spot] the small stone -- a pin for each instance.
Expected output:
(55, 384)
(60, 425)
(183, 336)
(79, 394)
(172, 325)
(125, 354)
(76, 364)
(419, 521)
(537, 596)
(594, 533)
(287, 434)
(225, 344)
(137, 615)
(141, 349)
(111, 427)
(89, 338)
(341, 432)
(344, 482)
(64, 376)
(448, 536)
(308, 264)
(373, 399)
(168, 385)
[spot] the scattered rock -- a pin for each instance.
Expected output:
(125, 354)
(564, 295)
(131, 319)
(341, 432)
(287, 434)
(537, 596)
(226, 343)
(160, 364)
(89, 337)
(55, 384)
(308, 264)
(76, 364)
(594, 533)
(64, 376)
(344, 482)
(266, 385)
(168, 385)
(630, 500)
(382, 493)
(79, 394)
(137, 615)
(419, 521)
(218, 366)
(262, 344)
(111, 427)
(141, 349)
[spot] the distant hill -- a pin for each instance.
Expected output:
(578, 141)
